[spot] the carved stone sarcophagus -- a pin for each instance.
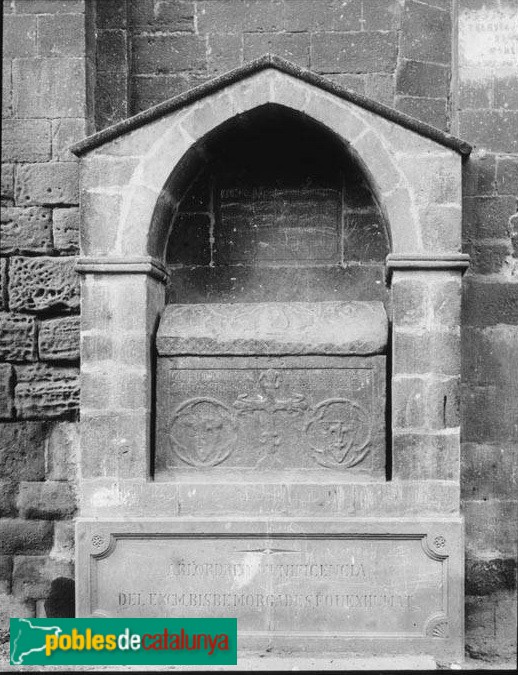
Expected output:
(288, 389)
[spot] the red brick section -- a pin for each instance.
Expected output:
(44, 111)
(488, 118)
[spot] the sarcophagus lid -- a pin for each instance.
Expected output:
(273, 328)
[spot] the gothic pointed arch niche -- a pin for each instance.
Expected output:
(271, 205)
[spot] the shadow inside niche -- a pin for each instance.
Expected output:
(60, 602)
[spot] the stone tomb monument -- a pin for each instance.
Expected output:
(270, 368)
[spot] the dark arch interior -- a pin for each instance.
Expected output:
(273, 207)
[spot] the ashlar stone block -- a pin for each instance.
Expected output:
(26, 230)
(58, 339)
(43, 391)
(38, 284)
(17, 337)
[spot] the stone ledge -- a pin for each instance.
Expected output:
(129, 265)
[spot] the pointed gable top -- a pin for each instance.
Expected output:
(284, 66)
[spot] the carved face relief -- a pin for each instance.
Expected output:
(202, 432)
(339, 433)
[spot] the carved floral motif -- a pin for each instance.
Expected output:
(339, 432)
(204, 431)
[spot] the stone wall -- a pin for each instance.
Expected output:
(44, 111)
(487, 103)
(400, 52)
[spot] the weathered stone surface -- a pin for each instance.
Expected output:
(254, 16)
(425, 33)
(60, 36)
(50, 6)
(433, 111)
(43, 391)
(26, 230)
(49, 87)
(488, 303)
(291, 46)
(290, 414)
(22, 450)
(488, 471)
(6, 571)
(415, 78)
(273, 328)
(66, 132)
(6, 391)
(7, 498)
(491, 528)
(64, 535)
(25, 140)
(489, 576)
(3, 284)
(426, 456)
(58, 339)
(63, 451)
(51, 183)
(7, 183)
(33, 575)
(25, 536)
(367, 53)
(19, 32)
(17, 337)
(65, 229)
(322, 575)
(154, 54)
(48, 500)
(487, 217)
(38, 284)
(493, 130)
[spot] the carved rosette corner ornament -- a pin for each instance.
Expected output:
(100, 544)
(438, 627)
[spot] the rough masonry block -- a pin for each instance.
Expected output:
(17, 337)
(19, 33)
(49, 87)
(7, 183)
(50, 6)
(231, 17)
(46, 500)
(26, 230)
(487, 303)
(380, 15)
(425, 33)
(168, 54)
(6, 571)
(25, 536)
(370, 52)
(493, 130)
(33, 575)
(291, 46)
(3, 284)
(112, 51)
(65, 133)
(44, 391)
(38, 284)
(111, 14)
(7, 499)
(25, 140)
(489, 414)
(177, 15)
(50, 183)
(430, 110)
(65, 229)
(6, 391)
(487, 217)
(58, 339)
(479, 175)
(63, 451)
(415, 78)
(22, 450)
(64, 544)
(488, 471)
(507, 176)
(61, 36)
(426, 456)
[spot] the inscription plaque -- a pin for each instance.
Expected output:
(303, 580)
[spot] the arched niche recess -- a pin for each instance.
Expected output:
(136, 179)
(272, 206)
